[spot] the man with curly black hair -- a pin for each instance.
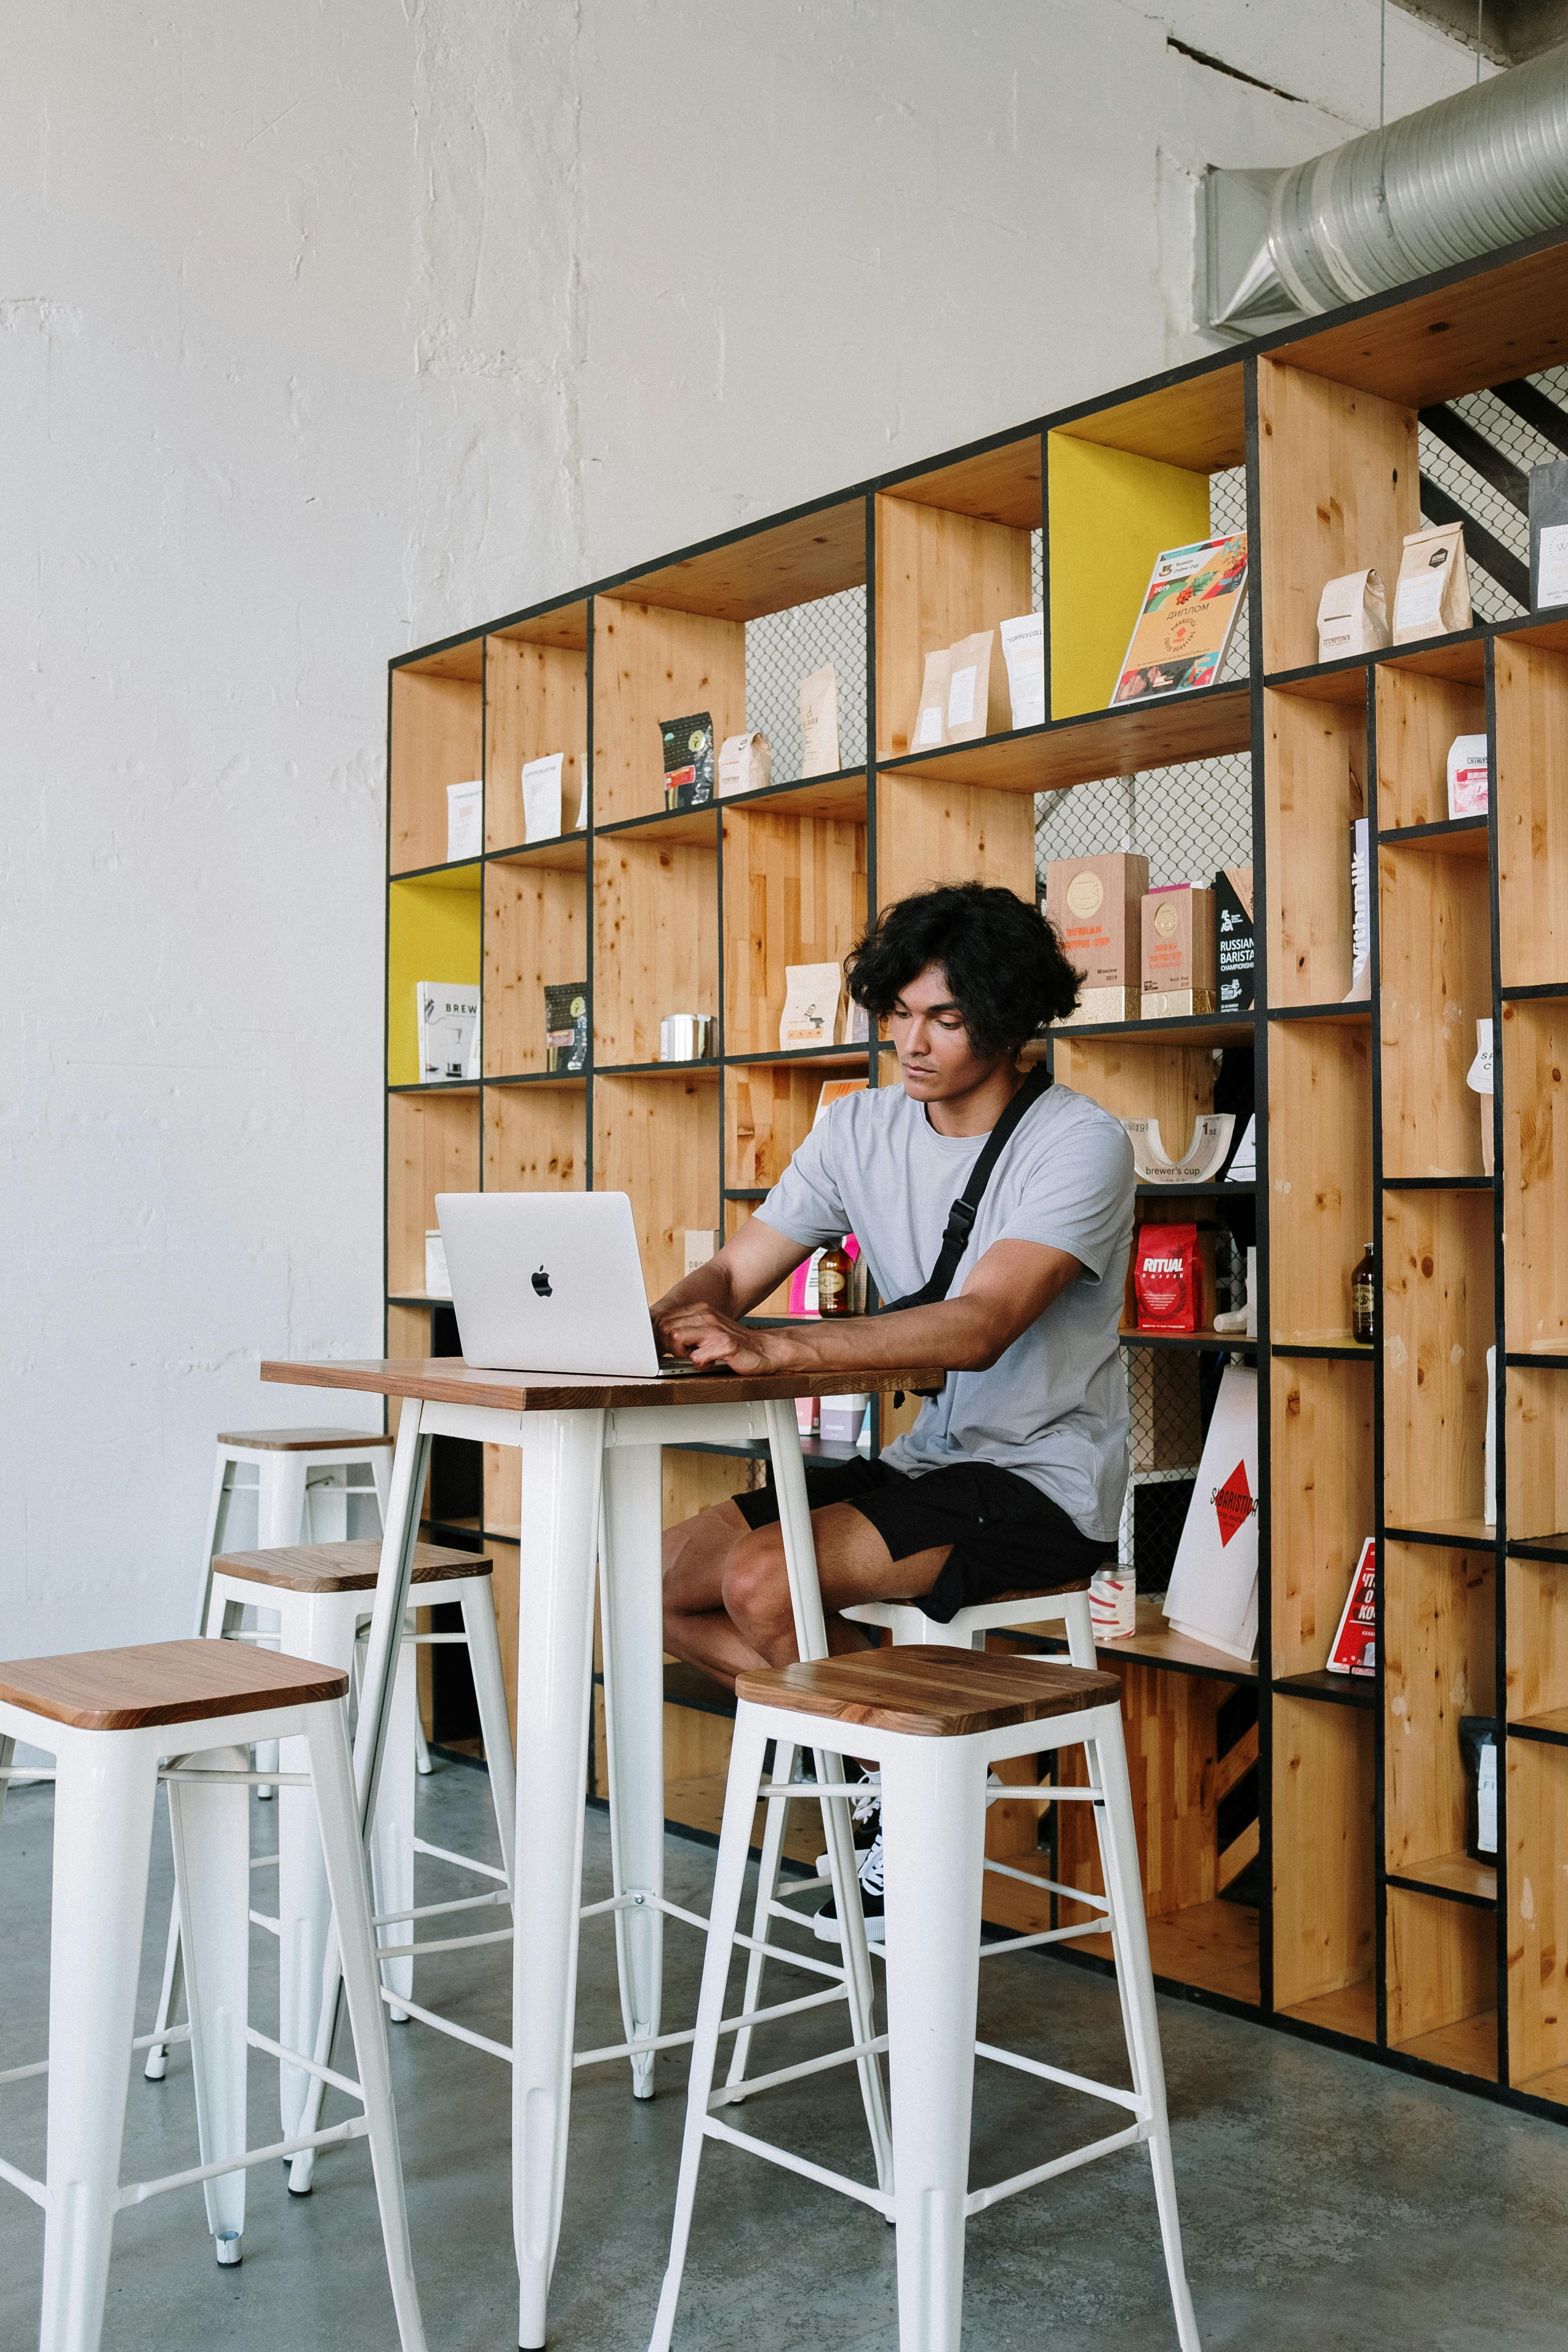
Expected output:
(1014, 1474)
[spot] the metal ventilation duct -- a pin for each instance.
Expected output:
(1475, 172)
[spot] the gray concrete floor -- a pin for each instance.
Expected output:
(1326, 2202)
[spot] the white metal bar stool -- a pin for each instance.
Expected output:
(118, 1722)
(908, 1622)
(934, 1720)
(321, 1594)
(305, 1489)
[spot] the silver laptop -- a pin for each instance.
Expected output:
(551, 1282)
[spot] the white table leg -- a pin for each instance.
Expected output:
(410, 1465)
(561, 1455)
(811, 1640)
(633, 1631)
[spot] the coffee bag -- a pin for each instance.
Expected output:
(819, 722)
(930, 719)
(1352, 616)
(812, 992)
(977, 699)
(1168, 1278)
(1432, 596)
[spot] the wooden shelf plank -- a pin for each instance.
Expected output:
(1467, 1534)
(1094, 745)
(1339, 1690)
(1152, 1642)
(1352, 2009)
(1453, 1874)
(1468, 2047)
(1197, 1028)
(842, 795)
(1550, 1726)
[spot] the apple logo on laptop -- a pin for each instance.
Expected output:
(542, 1284)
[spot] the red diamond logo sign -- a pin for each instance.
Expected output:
(1233, 1503)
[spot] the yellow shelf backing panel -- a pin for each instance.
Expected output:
(432, 933)
(1111, 513)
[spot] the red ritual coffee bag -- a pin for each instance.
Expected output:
(1168, 1278)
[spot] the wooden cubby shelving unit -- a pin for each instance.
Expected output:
(1372, 1929)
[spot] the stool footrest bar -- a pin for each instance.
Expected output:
(751, 2083)
(1042, 1936)
(442, 1944)
(439, 1910)
(259, 2041)
(439, 2024)
(24, 2182)
(979, 2200)
(137, 2192)
(264, 1919)
(459, 1860)
(875, 2198)
(1128, 2099)
(1049, 1887)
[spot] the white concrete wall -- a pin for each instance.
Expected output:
(327, 329)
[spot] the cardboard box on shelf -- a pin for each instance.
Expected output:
(1235, 954)
(1092, 903)
(1178, 951)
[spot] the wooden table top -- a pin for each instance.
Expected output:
(447, 1379)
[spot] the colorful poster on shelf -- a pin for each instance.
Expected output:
(1184, 629)
(1354, 1649)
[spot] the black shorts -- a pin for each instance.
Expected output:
(1005, 1535)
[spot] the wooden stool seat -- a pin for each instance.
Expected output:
(345, 1567)
(934, 1693)
(302, 1441)
(164, 1682)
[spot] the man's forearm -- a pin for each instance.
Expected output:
(709, 1285)
(958, 1333)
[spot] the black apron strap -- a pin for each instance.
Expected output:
(962, 1215)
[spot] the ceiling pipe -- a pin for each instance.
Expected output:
(1483, 169)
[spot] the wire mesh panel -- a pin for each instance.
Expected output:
(782, 649)
(1481, 501)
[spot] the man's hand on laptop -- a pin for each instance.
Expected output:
(705, 1336)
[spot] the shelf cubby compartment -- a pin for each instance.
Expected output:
(1337, 489)
(1137, 1073)
(1321, 1474)
(1537, 1814)
(1434, 956)
(655, 937)
(432, 934)
(536, 934)
(1121, 485)
(535, 1137)
(1538, 1647)
(437, 740)
(1435, 1324)
(795, 893)
(1530, 683)
(432, 1146)
(1535, 1451)
(1418, 716)
(536, 703)
(1189, 1756)
(655, 1139)
(673, 640)
(1314, 789)
(1439, 1662)
(1320, 1173)
(953, 556)
(1535, 1174)
(768, 1110)
(1324, 1871)
(1442, 1982)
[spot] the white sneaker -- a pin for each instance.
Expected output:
(824, 1926)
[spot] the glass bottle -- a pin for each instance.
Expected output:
(1364, 1296)
(835, 1281)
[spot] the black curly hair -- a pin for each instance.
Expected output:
(1004, 963)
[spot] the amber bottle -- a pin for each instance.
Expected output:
(835, 1282)
(1363, 1298)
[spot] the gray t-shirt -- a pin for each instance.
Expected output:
(1053, 1407)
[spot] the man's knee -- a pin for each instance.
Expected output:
(756, 1582)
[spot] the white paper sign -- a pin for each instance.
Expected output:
(465, 821)
(542, 797)
(1552, 580)
(1212, 1593)
(960, 697)
(1478, 1076)
(1418, 601)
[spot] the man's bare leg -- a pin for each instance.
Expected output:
(726, 1586)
